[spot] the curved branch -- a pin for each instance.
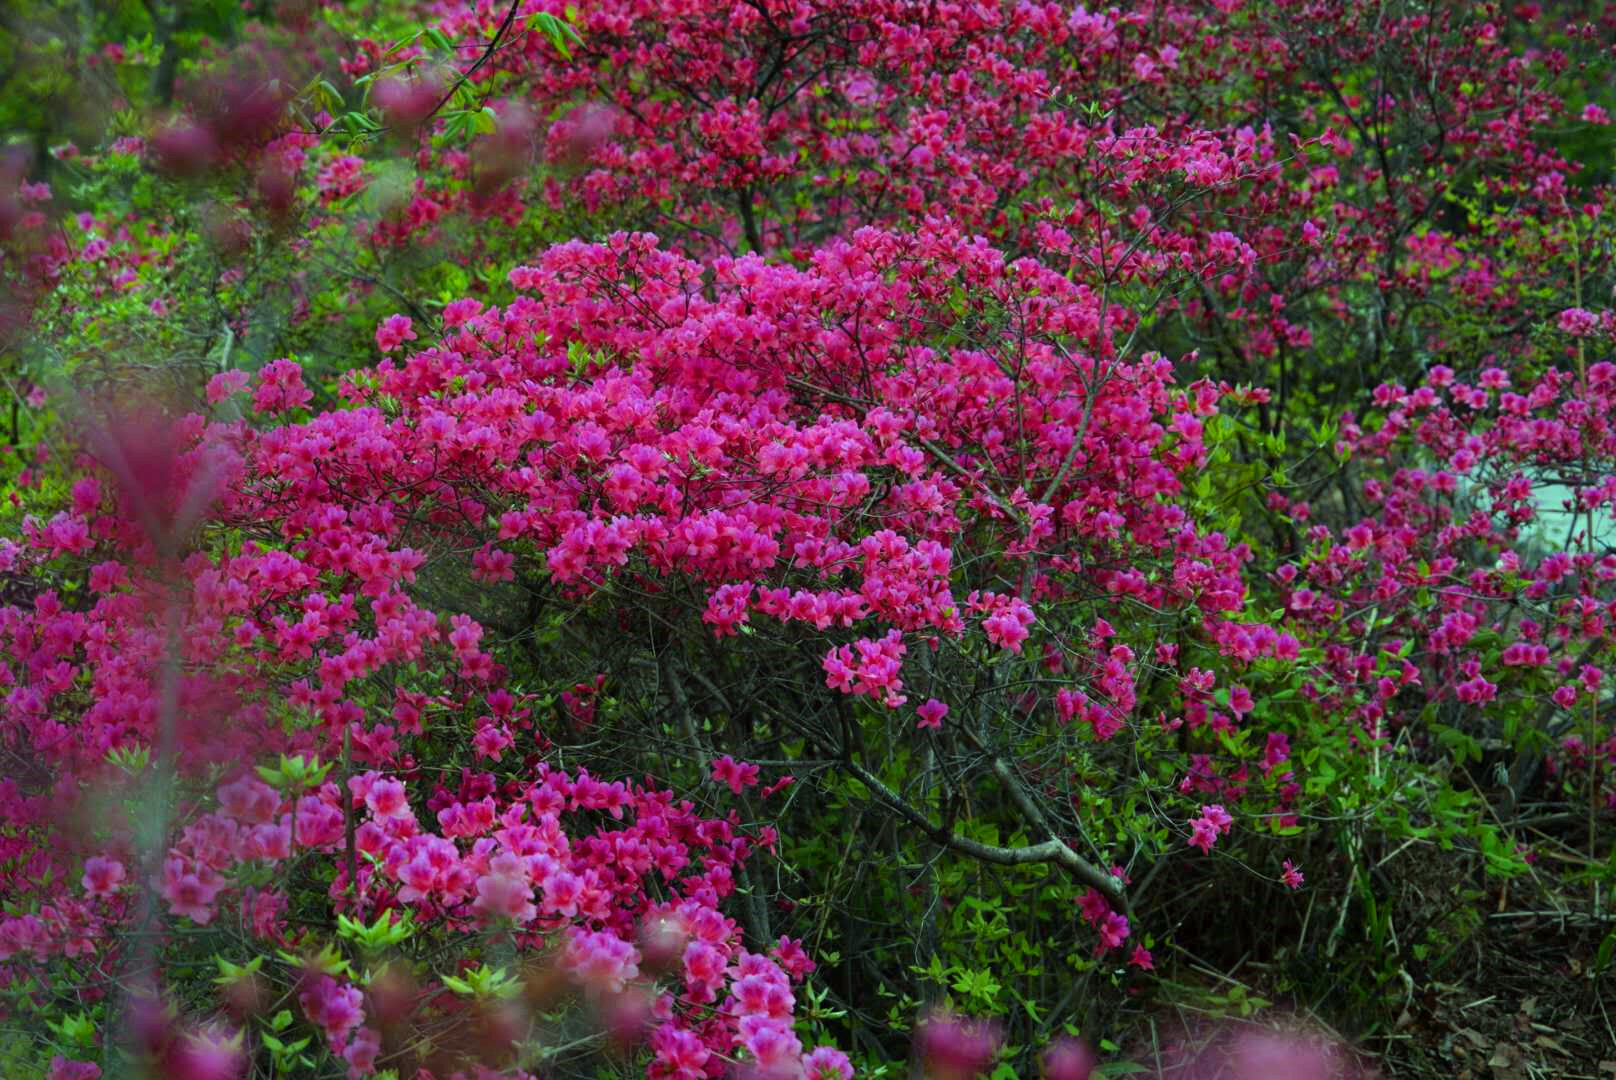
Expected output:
(1052, 851)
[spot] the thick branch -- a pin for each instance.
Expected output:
(1051, 851)
(749, 220)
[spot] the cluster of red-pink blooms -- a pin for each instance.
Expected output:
(635, 423)
(1048, 128)
(861, 443)
(518, 858)
(1507, 627)
(257, 623)
(878, 111)
(1077, 135)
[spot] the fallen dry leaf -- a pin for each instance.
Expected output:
(1506, 1063)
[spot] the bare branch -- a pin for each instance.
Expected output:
(1052, 851)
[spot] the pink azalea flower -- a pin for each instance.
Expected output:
(394, 331)
(1291, 875)
(931, 714)
(737, 775)
(225, 384)
(102, 876)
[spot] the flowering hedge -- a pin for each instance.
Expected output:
(640, 538)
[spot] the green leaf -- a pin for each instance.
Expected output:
(555, 31)
(1607, 952)
(402, 43)
(229, 972)
(78, 1029)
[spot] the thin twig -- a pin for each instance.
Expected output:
(465, 76)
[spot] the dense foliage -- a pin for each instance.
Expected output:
(693, 539)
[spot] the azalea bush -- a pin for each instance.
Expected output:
(803, 540)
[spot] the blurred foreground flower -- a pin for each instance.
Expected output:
(954, 1048)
